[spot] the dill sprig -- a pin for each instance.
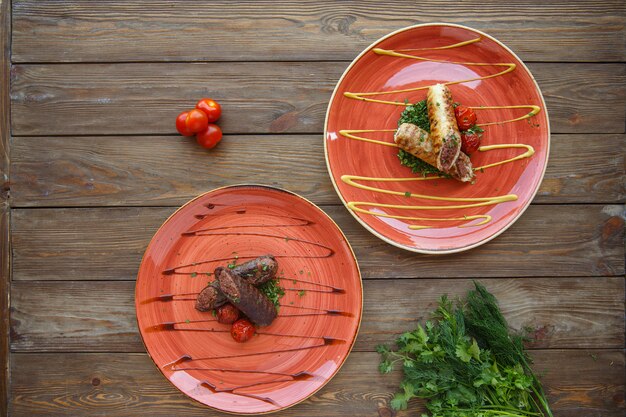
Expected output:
(486, 322)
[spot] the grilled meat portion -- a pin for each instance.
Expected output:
(246, 297)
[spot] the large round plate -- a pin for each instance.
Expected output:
(319, 316)
(441, 54)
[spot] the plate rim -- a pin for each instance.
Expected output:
(354, 258)
(412, 248)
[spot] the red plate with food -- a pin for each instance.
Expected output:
(437, 138)
(249, 299)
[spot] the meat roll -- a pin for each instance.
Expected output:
(443, 127)
(210, 298)
(247, 298)
(419, 143)
(258, 271)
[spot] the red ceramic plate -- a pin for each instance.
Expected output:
(319, 316)
(436, 215)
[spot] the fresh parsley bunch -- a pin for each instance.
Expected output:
(465, 363)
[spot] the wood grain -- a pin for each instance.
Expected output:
(107, 244)
(300, 30)
(90, 171)
(579, 383)
(258, 97)
(560, 312)
(5, 211)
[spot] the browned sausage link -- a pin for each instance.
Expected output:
(243, 295)
(443, 127)
(259, 270)
(210, 298)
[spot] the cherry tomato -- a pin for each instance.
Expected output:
(227, 314)
(242, 330)
(469, 142)
(465, 117)
(211, 108)
(210, 136)
(181, 126)
(196, 121)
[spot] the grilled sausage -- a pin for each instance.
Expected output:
(443, 126)
(259, 270)
(210, 298)
(246, 297)
(419, 143)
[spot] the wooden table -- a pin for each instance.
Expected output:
(93, 166)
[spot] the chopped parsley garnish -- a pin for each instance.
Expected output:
(194, 274)
(407, 194)
(273, 291)
(416, 114)
(301, 293)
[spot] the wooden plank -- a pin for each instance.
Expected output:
(561, 312)
(258, 97)
(579, 383)
(300, 30)
(79, 171)
(5, 228)
(107, 244)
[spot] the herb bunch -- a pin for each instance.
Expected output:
(465, 363)
(416, 114)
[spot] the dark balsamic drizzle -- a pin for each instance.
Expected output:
(295, 376)
(321, 310)
(170, 326)
(174, 270)
(334, 289)
(327, 341)
(213, 389)
(171, 297)
(338, 291)
(276, 236)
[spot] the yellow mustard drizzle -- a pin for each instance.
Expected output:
(362, 96)
(530, 151)
(533, 111)
(470, 202)
(349, 134)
